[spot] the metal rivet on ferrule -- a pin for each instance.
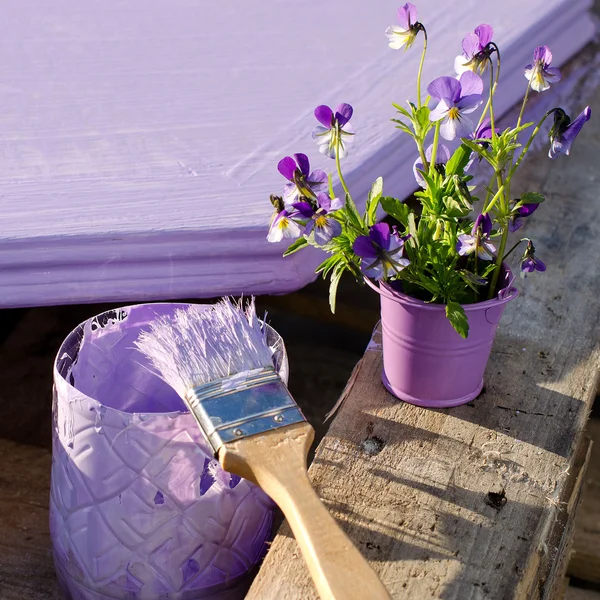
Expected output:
(237, 432)
(278, 418)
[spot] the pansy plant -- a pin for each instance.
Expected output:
(451, 246)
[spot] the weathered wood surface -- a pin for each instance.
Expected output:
(585, 561)
(418, 490)
(140, 139)
(574, 593)
(26, 569)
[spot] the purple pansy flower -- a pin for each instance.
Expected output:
(404, 34)
(475, 54)
(335, 131)
(540, 73)
(457, 99)
(282, 223)
(302, 181)
(442, 157)
(529, 262)
(564, 131)
(322, 227)
(380, 252)
(484, 131)
(479, 240)
(516, 219)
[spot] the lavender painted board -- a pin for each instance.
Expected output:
(138, 140)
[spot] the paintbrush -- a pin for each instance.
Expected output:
(220, 364)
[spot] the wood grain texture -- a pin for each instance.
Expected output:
(26, 569)
(585, 561)
(420, 492)
(140, 140)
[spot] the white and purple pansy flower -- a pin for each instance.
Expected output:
(380, 252)
(475, 56)
(516, 219)
(320, 226)
(302, 182)
(335, 132)
(479, 239)
(442, 157)
(529, 262)
(457, 98)
(540, 74)
(403, 35)
(564, 131)
(283, 226)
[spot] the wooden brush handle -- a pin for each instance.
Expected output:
(276, 461)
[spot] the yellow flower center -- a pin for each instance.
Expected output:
(283, 223)
(453, 113)
(321, 221)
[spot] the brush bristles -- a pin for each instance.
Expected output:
(196, 346)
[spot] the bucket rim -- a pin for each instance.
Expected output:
(384, 289)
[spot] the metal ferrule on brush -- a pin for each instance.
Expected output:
(242, 405)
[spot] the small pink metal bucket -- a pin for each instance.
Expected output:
(425, 362)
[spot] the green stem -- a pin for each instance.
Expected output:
(476, 271)
(494, 199)
(422, 155)
(514, 247)
(337, 161)
(492, 85)
(436, 139)
(498, 263)
(492, 90)
(488, 193)
(523, 105)
(526, 148)
(421, 69)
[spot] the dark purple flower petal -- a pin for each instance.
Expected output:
(287, 166)
(484, 131)
(363, 247)
(527, 209)
(528, 265)
(303, 163)
(484, 32)
(574, 128)
(470, 83)
(407, 15)
(539, 265)
(317, 178)
(208, 478)
(380, 234)
(444, 88)
(324, 115)
(515, 223)
(304, 208)
(542, 54)
(483, 222)
(343, 113)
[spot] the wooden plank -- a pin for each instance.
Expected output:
(140, 140)
(574, 593)
(418, 490)
(585, 561)
(26, 569)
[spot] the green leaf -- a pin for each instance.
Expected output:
(422, 118)
(297, 245)
(396, 209)
(373, 201)
(402, 110)
(333, 284)
(352, 214)
(532, 198)
(458, 319)
(458, 161)
(412, 228)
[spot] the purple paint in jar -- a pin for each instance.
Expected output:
(139, 508)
